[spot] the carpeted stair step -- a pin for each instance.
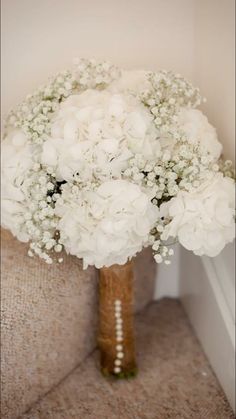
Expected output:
(175, 380)
(49, 320)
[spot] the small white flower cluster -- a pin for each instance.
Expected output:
(184, 168)
(103, 162)
(169, 92)
(34, 114)
(181, 168)
(41, 222)
(91, 74)
(226, 167)
(162, 252)
(29, 193)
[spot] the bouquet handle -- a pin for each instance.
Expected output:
(116, 329)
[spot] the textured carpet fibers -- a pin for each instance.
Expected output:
(174, 381)
(49, 320)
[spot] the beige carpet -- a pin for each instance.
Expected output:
(175, 380)
(49, 320)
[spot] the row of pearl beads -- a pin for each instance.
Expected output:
(119, 337)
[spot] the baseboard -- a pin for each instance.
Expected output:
(207, 292)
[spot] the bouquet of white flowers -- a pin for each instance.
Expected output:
(102, 162)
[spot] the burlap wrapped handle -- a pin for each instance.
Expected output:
(116, 329)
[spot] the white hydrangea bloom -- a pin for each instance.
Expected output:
(16, 161)
(107, 225)
(203, 219)
(197, 129)
(97, 132)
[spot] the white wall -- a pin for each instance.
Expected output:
(214, 65)
(40, 37)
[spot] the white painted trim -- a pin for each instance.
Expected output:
(207, 293)
(223, 291)
(224, 275)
